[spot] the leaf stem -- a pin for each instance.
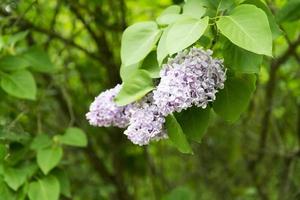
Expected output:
(214, 18)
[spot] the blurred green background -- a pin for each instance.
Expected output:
(78, 46)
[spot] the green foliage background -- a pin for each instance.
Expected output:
(56, 56)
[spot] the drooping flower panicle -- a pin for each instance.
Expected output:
(191, 78)
(105, 112)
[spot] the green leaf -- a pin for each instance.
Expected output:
(20, 84)
(48, 158)
(169, 19)
(137, 42)
(176, 135)
(15, 177)
(12, 63)
(162, 51)
(194, 8)
(9, 136)
(22, 193)
(194, 122)
(41, 141)
(272, 22)
(126, 72)
(233, 100)
(241, 60)
(135, 88)
(3, 152)
(44, 189)
(289, 12)
(247, 27)
(31, 169)
(64, 182)
(205, 42)
(5, 192)
(214, 7)
(174, 9)
(184, 33)
(150, 64)
(13, 39)
(169, 15)
(39, 60)
(181, 193)
(219, 5)
(74, 137)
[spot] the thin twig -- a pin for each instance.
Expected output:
(19, 116)
(25, 12)
(53, 22)
(269, 95)
(59, 37)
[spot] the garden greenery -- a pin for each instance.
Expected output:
(193, 69)
(192, 78)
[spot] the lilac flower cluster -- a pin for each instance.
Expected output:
(105, 112)
(192, 77)
(146, 122)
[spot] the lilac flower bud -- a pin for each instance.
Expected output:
(105, 112)
(146, 123)
(193, 77)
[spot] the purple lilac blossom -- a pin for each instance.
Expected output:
(192, 77)
(146, 123)
(104, 111)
